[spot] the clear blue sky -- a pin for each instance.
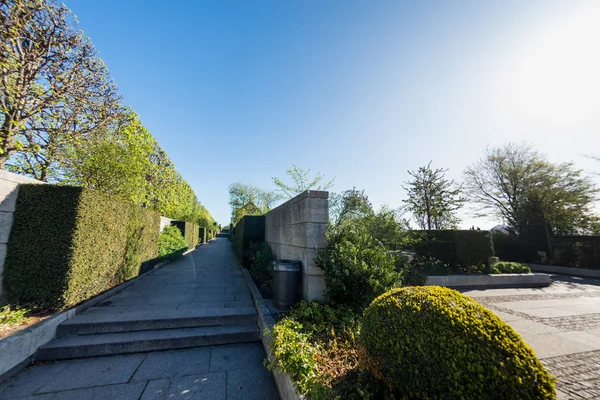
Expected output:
(358, 90)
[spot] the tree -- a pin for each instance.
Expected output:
(347, 205)
(301, 182)
(519, 185)
(246, 199)
(432, 199)
(54, 90)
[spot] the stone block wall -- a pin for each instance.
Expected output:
(9, 188)
(164, 222)
(296, 230)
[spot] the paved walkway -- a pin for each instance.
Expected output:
(562, 324)
(206, 278)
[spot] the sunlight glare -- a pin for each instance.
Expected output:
(559, 78)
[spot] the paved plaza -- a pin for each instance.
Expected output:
(562, 324)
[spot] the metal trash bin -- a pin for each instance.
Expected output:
(286, 283)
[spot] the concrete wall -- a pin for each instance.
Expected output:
(9, 187)
(164, 222)
(295, 230)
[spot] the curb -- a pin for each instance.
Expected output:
(284, 384)
(18, 350)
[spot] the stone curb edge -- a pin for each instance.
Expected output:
(17, 351)
(569, 271)
(284, 384)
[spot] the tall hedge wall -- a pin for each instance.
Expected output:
(68, 244)
(249, 229)
(459, 249)
(189, 231)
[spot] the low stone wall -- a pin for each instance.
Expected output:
(9, 188)
(295, 230)
(554, 269)
(489, 281)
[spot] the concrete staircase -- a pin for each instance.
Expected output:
(97, 334)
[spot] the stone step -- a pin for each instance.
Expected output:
(68, 347)
(96, 323)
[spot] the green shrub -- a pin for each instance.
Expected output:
(189, 231)
(430, 342)
(294, 354)
(320, 321)
(415, 273)
(261, 267)
(171, 244)
(508, 267)
(357, 267)
(464, 251)
(68, 244)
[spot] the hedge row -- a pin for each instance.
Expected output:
(68, 244)
(459, 249)
(190, 232)
(249, 229)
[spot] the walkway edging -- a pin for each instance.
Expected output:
(284, 383)
(18, 350)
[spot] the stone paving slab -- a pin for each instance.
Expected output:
(215, 372)
(562, 325)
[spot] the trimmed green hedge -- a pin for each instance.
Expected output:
(171, 243)
(462, 250)
(68, 244)
(509, 267)
(189, 231)
(431, 342)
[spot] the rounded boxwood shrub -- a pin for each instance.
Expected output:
(431, 342)
(508, 267)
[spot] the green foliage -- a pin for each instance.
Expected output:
(300, 182)
(415, 273)
(349, 205)
(246, 199)
(432, 199)
(261, 267)
(507, 267)
(13, 315)
(171, 244)
(510, 247)
(533, 195)
(357, 266)
(320, 320)
(314, 343)
(435, 343)
(294, 354)
(69, 244)
(464, 251)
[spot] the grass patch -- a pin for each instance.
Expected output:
(16, 318)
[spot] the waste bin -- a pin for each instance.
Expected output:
(286, 282)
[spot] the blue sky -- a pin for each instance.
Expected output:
(358, 90)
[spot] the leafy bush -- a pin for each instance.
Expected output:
(357, 267)
(464, 251)
(171, 243)
(433, 342)
(322, 320)
(261, 267)
(294, 354)
(508, 267)
(315, 345)
(415, 273)
(189, 231)
(68, 244)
